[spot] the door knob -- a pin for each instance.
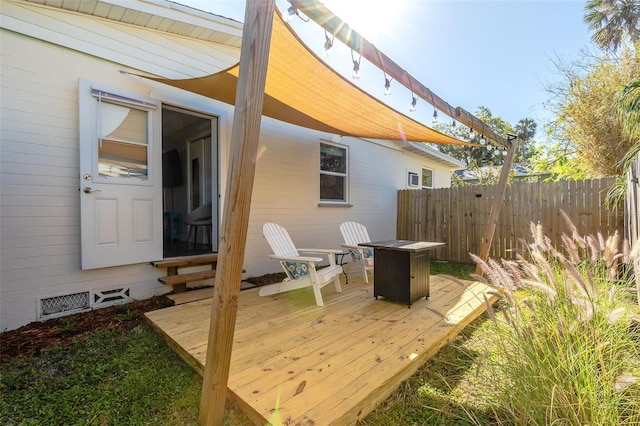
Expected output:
(88, 190)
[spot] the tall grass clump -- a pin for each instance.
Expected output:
(568, 331)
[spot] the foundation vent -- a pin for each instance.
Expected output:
(108, 297)
(51, 307)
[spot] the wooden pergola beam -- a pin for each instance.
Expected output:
(247, 116)
(341, 30)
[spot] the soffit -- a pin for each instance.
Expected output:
(165, 16)
(432, 154)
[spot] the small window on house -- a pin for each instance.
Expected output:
(427, 178)
(122, 137)
(333, 173)
(122, 142)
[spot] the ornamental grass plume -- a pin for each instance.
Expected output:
(566, 348)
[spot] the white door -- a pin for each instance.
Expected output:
(120, 177)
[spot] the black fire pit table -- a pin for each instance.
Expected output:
(401, 269)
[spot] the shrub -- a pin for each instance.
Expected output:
(568, 353)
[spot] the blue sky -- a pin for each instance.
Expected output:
(470, 53)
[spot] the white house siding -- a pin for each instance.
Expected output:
(286, 190)
(39, 157)
(39, 201)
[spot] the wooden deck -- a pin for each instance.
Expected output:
(296, 363)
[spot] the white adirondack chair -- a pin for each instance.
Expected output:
(301, 270)
(355, 233)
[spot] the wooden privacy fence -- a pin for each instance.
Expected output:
(458, 216)
(632, 212)
(632, 205)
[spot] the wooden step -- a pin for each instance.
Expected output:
(179, 281)
(191, 295)
(200, 294)
(187, 261)
(187, 278)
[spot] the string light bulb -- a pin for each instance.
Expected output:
(387, 87)
(504, 151)
(489, 147)
(483, 141)
(435, 117)
(471, 133)
(291, 13)
(356, 67)
(414, 100)
(328, 44)
(356, 70)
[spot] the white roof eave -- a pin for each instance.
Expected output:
(432, 154)
(189, 21)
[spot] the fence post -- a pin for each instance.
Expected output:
(632, 212)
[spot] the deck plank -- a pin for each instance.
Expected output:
(367, 362)
(294, 362)
(309, 351)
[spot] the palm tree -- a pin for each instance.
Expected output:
(525, 130)
(612, 21)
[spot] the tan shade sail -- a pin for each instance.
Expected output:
(302, 90)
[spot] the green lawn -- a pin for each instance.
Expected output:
(132, 377)
(124, 377)
(128, 377)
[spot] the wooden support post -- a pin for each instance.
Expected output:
(498, 197)
(254, 56)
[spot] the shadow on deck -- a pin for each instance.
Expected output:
(296, 363)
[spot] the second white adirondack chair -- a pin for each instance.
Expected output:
(355, 233)
(301, 270)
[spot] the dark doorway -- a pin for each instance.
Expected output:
(190, 182)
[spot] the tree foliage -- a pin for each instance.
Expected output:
(590, 135)
(558, 159)
(629, 114)
(526, 130)
(475, 156)
(481, 158)
(613, 21)
(588, 128)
